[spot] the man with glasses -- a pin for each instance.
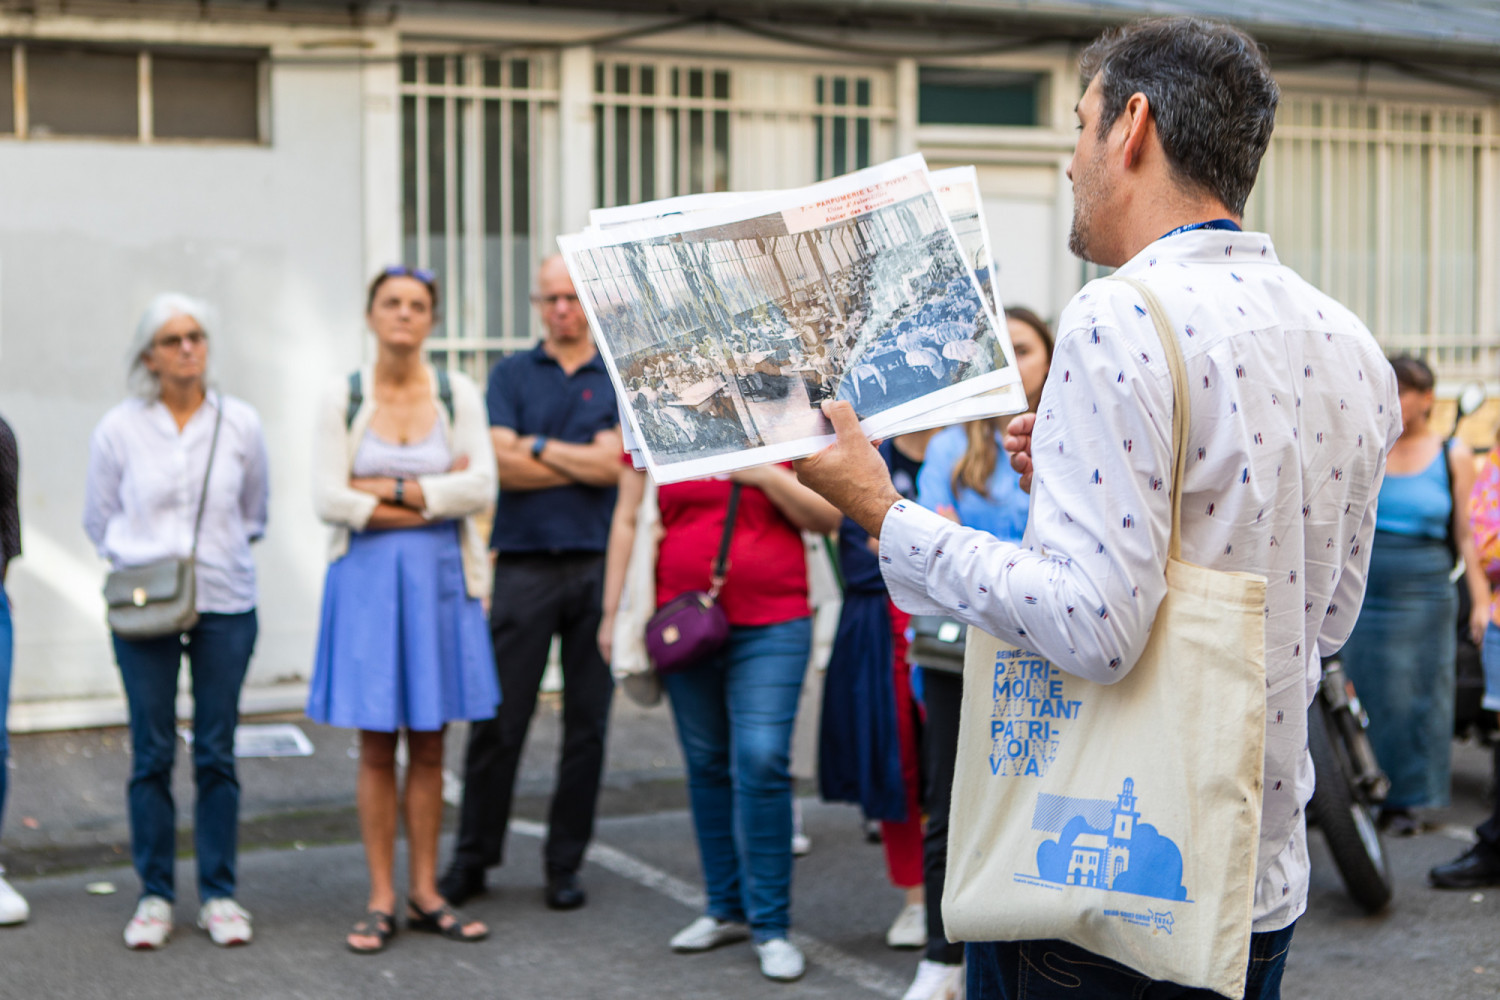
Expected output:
(555, 427)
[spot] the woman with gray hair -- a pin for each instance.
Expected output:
(177, 471)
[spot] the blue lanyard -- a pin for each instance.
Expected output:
(1228, 224)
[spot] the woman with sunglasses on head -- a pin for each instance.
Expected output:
(179, 471)
(403, 465)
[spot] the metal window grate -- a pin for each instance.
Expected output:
(478, 140)
(1391, 208)
(666, 127)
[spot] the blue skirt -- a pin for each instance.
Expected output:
(1400, 658)
(402, 645)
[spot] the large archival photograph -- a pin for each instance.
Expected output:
(727, 328)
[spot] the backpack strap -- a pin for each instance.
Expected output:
(445, 392)
(356, 398)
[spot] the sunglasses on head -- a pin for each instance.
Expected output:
(422, 274)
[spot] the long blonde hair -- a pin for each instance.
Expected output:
(977, 464)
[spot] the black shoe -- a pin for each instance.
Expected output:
(1474, 869)
(564, 892)
(1398, 823)
(460, 884)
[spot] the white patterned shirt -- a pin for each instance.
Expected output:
(1293, 410)
(144, 481)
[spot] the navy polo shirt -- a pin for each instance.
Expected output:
(531, 394)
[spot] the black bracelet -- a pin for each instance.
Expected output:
(400, 492)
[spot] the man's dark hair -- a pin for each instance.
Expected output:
(1212, 97)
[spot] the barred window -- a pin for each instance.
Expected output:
(1388, 206)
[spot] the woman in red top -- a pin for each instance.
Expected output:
(734, 712)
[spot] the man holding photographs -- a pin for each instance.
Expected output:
(1292, 411)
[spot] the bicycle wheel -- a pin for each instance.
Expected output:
(1347, 820)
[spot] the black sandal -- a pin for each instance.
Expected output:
(432, 922)
(381, 926)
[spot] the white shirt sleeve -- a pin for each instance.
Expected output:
(101, 493)
(255, 487)
(1084, 589)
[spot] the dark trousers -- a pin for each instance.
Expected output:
(942, 693)
(536, 597)
(1056, 970)
(1489, 830)
(218, 650)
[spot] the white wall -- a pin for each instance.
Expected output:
(271, 235)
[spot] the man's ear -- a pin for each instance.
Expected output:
(1138, 125)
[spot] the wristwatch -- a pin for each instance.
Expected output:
(400, 496)
(537, 446)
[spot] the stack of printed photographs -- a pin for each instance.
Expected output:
(726, 319)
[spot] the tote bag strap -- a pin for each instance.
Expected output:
(213, 447)
(1173, 351)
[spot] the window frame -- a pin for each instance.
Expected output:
(145, 133)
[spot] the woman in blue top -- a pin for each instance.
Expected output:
(966, 476)
(1400, 655)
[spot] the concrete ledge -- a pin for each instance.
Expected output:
(92, 713)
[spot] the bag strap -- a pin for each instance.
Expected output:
(721, 562)
(1173, 351)
(213, 447)
(357, 395)
(356, 398)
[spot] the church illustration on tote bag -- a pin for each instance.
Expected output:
(1103, 845)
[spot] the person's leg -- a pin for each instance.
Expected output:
(375, 795)
(697, 697)
(588, 689)
(944, 693)
(1268, 952)
(6, 649)
(218, 650)
(523, 617)
(148, 670)
(763, 685)
(903, 840)
(423, 809)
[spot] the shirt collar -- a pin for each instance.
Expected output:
(1202, 246)
(540, 356)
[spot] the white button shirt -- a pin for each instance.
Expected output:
(144, 481)
(1293, 410)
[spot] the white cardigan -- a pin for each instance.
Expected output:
(447, 495)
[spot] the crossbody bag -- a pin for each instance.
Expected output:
(692, 627)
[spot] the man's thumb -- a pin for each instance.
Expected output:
(842, 416)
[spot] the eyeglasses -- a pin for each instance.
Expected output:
(422, 274)
(174, 341)
(551, 300)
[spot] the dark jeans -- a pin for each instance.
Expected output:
(6, 648)
(1056, 970)
(218, 651)
(942, 693)
(536, 597)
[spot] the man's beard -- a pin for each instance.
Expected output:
(1088, 197)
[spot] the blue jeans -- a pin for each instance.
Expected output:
(734, 717)
(6, 649)
(1056, 970)
(218, 650)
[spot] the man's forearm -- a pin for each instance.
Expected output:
(589, 464)
(518, 471)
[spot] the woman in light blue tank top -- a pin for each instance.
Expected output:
(1400, 655)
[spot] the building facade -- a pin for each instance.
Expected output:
(271, 157)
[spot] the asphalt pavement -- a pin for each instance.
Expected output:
(302, 875)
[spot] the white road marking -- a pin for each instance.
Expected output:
(845, 966)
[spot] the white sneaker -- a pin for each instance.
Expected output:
(910, 928)
(13, 908)
(801, 842)
(708, 932)
(227, 922)
(936, 981)
(781, 960)
(151, 926)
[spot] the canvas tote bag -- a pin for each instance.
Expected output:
(1122, 818)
